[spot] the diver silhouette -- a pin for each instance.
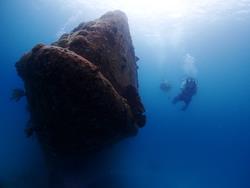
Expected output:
(188, 90)
(165, 86)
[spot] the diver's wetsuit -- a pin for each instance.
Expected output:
(188, 91)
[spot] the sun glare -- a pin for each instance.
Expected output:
(172, 8)
(157, 20)
(141, 8)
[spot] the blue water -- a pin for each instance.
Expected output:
(207, 146)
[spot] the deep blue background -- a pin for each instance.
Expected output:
(207, 146)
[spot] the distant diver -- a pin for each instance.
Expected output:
(165, 86)
(188, 90)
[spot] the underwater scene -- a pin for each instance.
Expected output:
(125, 94)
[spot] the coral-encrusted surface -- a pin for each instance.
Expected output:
(82, 91)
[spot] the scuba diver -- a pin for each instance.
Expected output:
(188, 90)
(165, 86)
